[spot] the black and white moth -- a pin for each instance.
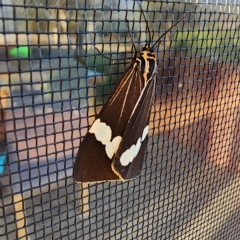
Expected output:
(114, 147)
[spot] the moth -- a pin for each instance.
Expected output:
(114, 147)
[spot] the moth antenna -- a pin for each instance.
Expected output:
(134, 45)
(102, 54)
(110, 59)
(174, 25)
(146, 21)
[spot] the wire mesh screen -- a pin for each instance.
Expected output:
(54, 82)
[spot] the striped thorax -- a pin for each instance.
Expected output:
(148, 63)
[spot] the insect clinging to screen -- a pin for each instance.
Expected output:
(114, 147)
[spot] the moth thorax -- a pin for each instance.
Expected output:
(147, 62)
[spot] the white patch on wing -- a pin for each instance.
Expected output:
(112, 147)
(116, 142)
(95, 126)
(145, 133)
(103, 134)
(128, 156)
(102, 131)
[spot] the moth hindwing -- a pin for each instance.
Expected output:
(114, 147)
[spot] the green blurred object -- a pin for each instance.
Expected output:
(21, 51)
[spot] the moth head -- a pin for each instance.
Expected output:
(148, 48)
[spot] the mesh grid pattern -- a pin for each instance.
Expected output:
(51, 93)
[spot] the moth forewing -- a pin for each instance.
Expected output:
(128, 161)
(97, 150)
